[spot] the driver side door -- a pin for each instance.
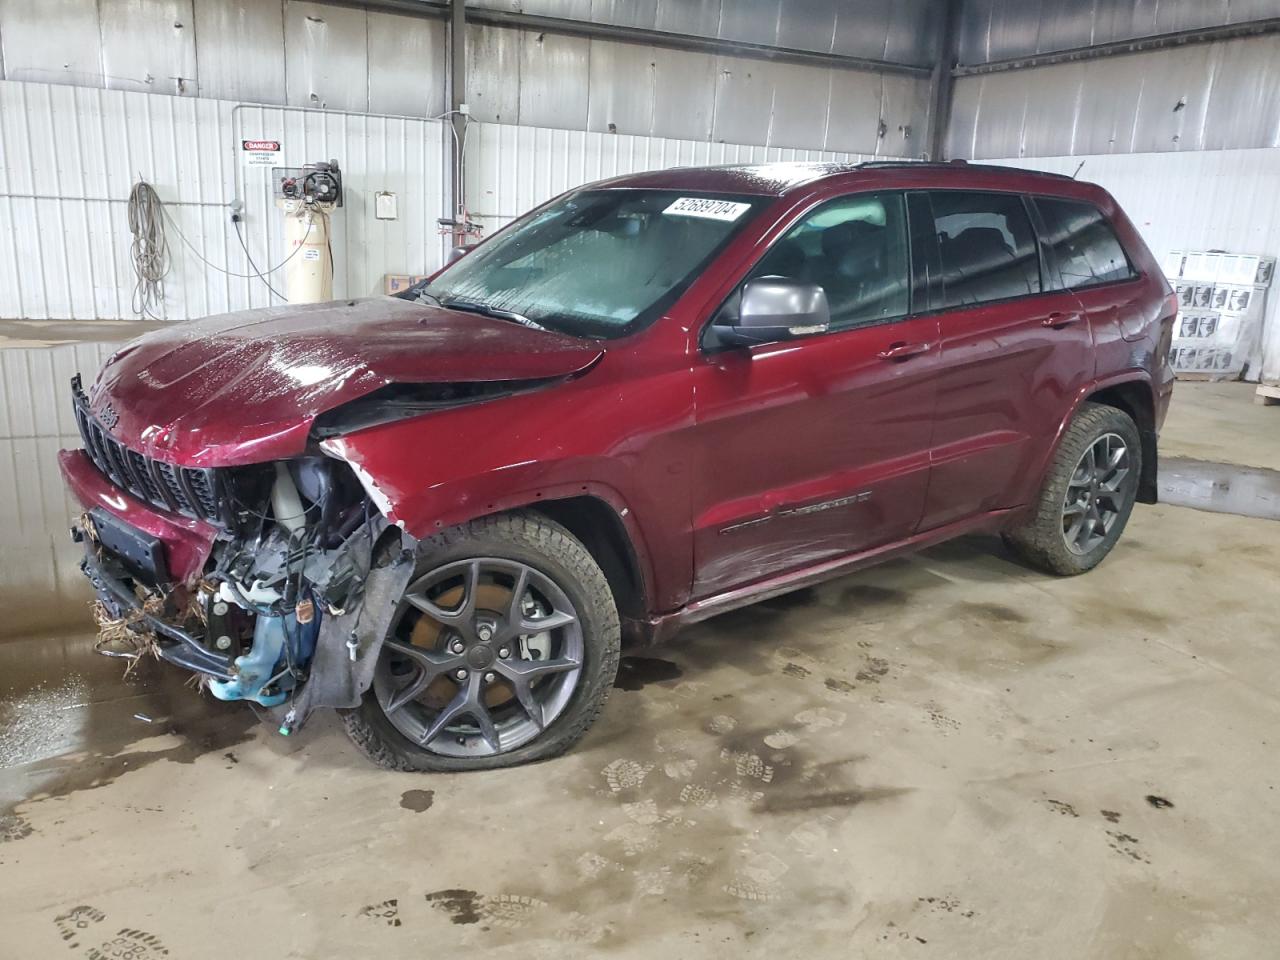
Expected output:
(815, 448)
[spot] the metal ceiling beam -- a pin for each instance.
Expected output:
(656, 38)
(1164, 41)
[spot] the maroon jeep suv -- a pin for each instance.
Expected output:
(648, 401)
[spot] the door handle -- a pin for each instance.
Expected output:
(1057, 320)
(904, 351)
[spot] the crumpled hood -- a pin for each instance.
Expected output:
(245, 387)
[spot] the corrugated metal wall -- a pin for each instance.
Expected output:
(350, 59)
(511, 169)
(1206, 200)
(40, 583)
(546, 80)
(1222, 95)
(900, 31)
(232, 50)
(1003, 29)
(69, 156)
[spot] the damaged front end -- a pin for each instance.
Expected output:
(285, 576)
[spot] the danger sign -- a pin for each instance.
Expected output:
(261, 153)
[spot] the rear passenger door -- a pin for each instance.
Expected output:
(1014, 352)
(1085, 257)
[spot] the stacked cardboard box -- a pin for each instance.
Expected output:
(393, 283)
(1222, 302)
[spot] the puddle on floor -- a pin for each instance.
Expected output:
(61, 699)
(1220, 487)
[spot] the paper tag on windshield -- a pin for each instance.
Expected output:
(707, 209)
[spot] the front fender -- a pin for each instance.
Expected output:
(423, 495)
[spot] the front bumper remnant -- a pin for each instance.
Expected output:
(172, 642)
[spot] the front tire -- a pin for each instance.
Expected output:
(501, 652)
(1087, 496)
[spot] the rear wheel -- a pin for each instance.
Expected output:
(502, 651)
(1087, 495)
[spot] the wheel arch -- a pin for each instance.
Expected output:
(1133, 394)
(603, 529)
(1136, 398)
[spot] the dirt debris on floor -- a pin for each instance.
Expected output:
(947, 753)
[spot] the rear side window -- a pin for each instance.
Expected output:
(988, 247)
(1083, 243)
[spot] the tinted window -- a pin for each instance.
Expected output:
(1083, 243)
(988, 248)
(855, 248)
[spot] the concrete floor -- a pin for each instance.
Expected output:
(948, 755)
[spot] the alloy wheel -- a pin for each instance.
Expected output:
(1096, 493)
(482, 655)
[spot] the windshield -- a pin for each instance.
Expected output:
(598, 263)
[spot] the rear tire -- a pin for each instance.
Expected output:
(494, 724)
(1087, 496)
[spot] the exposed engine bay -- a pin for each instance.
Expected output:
(278, 616)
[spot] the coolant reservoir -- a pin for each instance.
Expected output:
(286, 503)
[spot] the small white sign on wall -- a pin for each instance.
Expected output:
(384, 205)
(260, 153)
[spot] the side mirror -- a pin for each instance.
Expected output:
(776, 308)
(460, 251)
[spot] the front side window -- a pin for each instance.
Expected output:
(855, 248)
(1083, 243)
(597, 263)
(988, 247)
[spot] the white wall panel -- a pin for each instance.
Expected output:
(61, 45)
(1201, 200)
(327, 56)
(512, 169)
(64, 237)
(410, 67)
(554, 80)
(698, 18)
(40, 583)
(744, 101)
(623, 86)
(903, 31)
(493, 74)
(312, 53)
(539, 79)
(239, 50)
(1197, 97)
(627, 13)
(1003, 29)
(684, 95)
(149, 45)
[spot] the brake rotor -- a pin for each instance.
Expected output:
(431, 634)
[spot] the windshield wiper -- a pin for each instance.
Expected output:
(484, 309)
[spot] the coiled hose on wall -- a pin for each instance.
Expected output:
(149, 251)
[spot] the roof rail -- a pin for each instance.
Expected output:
(954, 165)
